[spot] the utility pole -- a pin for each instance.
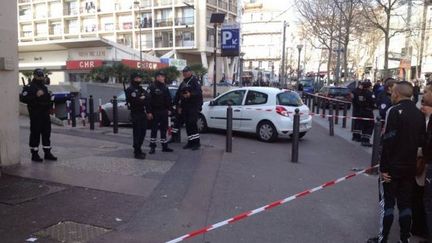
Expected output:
(423, 36)
(282, 79)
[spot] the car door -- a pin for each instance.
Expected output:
(253, 110)
(218, 110)
(123, 110)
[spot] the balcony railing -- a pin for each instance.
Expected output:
(185, 21)
(145, 44)
(223, 4)
(24, 1)
(26, 33)
(158, 3)
(185, 43)
(145, 23)
(163, 22)
(212, 2)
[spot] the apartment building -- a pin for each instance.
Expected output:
(177, 29)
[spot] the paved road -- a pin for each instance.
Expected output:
(188, 190)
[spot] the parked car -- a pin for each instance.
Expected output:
(267, 112)
(308, 85)
(339, 93)
(123, 111)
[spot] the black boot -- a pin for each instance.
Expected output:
(152, 149)
(175, 138)
(49, 155)
(165, 148)
(188, 145)
(140, 156)
(196, 145)
(35, 156)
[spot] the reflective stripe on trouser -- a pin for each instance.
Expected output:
(160, 122)
(194, 137)
(398, 190)
(34, 148)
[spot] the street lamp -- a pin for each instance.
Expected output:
(299, 47)
(137, 3)
(282, 79)
(241, 69)
(216, 18)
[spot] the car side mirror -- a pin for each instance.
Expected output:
(212, 103)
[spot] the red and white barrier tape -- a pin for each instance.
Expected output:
(328, 98)
(267, 207)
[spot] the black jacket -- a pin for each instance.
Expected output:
(160, 97)
(355, 101)
(383, 103)
(404, 134)
(427, 148)
(36, 105)
(196, 100)
(366, 103)
(137, 98)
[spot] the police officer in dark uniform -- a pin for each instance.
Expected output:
(355, 112)
(366, 101)
(39, 104)
(383, 100)
(189, 101)
(138, 101)
(159, 110)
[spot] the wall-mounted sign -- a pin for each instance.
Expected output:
(83, 64)
(144, 64)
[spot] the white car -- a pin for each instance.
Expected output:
(268, 112)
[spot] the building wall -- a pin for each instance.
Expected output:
(9, 122)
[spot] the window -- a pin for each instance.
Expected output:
(233, 98)
(256, 98)
(289, 98)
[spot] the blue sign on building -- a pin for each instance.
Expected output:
(230, 45)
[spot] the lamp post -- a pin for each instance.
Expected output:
(282, 79)
(216, 19)
(137, 3)
(299, 47)
(241, 69)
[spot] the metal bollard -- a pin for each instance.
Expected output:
(317, 105)
(345, 113)
(115, 115)
(323, 107)
(376, 145)
(73, 111)
(295, 137)
(91, 116)
(336, 118)
(331, 120)
(229, 129)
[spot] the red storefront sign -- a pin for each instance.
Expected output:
(83, 64)
(144, 65)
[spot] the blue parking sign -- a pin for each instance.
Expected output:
(230, 45)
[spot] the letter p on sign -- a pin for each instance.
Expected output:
(226, 36)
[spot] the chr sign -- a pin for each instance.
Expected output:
(230, 45)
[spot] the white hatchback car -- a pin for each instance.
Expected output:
(268, 112)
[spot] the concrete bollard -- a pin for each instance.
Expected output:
(115, 115)
(229, 129)
(295, 137)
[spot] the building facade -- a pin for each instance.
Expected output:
(9, 122)
(178, 29)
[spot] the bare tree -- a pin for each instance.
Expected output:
(319, 18)
(379, 14)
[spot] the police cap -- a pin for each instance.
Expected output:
(134, 75)
(38, 73)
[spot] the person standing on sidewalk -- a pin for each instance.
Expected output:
(138, 100)
(366, 101)
(39, 104)
(427, 156)
(403, 135)
(355, 112)
(190, 103)
(383, 100)
(159, 110)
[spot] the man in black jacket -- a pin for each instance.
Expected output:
(189, 101)
(366, 103)
(427, 156)
(159, 109)
(356, 124)
(403, 135)
(39, 104)
(138, 100)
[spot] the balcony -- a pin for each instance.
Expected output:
(145, 23)
(185, 43)
(23, 1)
(145, 44)
(223, 4)
(158, 3)
(184, 21)
(163, 22)
(26, 34)
(212, 2)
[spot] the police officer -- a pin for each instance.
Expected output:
(39, 104)
(383, 100)
(355, 112)
(138, 101)
(189, 101)
(366, 100)
(159, 110)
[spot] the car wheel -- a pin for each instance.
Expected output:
(105, 120)
(266, 132)
(202, 124)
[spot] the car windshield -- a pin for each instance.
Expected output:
(121, 97)
(339, 91)
(306, 83)
(289, 98)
